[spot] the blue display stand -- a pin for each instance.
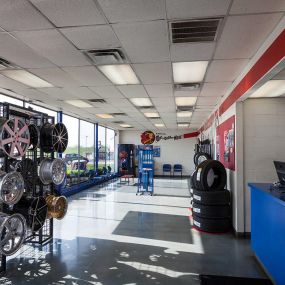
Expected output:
(268, 229)
(146, 169)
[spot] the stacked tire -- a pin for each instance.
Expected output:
(211, 209)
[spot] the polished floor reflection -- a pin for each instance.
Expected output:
(113, 237)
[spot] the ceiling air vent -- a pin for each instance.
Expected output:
(185, 108)
(102, 101)
(200, 30)
(118, 122)
(5, 64)
(187, 86)
(119, 114)
(106, 56)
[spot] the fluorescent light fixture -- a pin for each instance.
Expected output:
(159, 125)
(125, 126)
(185, 101)
(272, 88)
(141, 102)
(105, 116)
(78, 103)
(183, 125)
(189, 72)
(152, 115)
(26, 78)
(119, 74)
(185, 114)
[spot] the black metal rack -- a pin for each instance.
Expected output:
(8, 111)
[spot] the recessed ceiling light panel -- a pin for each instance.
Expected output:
(105, 116)
(185, 114)
(272, 88)
(141, 102)
(78, 103)
(152, 115)
(185, 101)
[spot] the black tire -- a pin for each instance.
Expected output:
(212, 211)
(193, 180)
(211, 176)
(211, 225)
(194, 158)
(211, 197)
(200, 157)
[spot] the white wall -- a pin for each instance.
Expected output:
(172, 152)
(264, 142)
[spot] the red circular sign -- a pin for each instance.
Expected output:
(147, 137)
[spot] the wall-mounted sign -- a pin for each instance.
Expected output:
(156, 151)
(165, 138)
(147, 137)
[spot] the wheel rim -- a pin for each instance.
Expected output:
(28, 170)
(34, 137)
(11, 187)
(15, 137)
(60, 137)
(57, 206)
(12, 233)
(52, 171)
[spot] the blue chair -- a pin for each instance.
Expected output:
(166, 168)
(177, 168)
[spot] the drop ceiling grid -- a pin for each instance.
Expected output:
(156, 21)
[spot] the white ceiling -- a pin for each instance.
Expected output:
(48, 37)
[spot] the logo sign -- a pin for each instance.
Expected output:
(147, 137)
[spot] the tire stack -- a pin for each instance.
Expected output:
(211, 209)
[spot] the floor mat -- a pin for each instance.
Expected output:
(228, 280)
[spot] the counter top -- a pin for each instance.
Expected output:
(270, 190)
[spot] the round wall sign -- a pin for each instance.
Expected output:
(147, 137)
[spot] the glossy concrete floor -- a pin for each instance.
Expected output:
(110, 236)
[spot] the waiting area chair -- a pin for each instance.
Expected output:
(166, 168)
(177, 168)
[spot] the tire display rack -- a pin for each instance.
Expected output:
(32, 155)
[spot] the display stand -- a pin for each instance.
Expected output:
(146, 170)
(29, 116)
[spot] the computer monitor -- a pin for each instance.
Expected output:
(280, 169)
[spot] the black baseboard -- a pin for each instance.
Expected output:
(245, 235)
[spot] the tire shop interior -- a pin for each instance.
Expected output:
(142, 142)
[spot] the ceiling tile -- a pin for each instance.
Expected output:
(81, 93)
(87, 76)
(145, 41)
(32, 94)
(159, 90)
(70, 12)
(56, 76)
(194, 93)
(56, 93)
(118, 102)
(257, 6)
(133, 91)
(164, 109)
(225, 70)
(215, 89)
(207, 101)
(166, 101)
(149, 73)
(133, 10)
(192, 52)
(18, 53)
(250, 29)
(17, 15)
(194, 9)
(107, 91)
(52, 45)
(92, 37)
(8, 83)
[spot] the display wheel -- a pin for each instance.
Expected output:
(11, 187)
(53, 138)
(34, 209)
(28, 170)
(14, 137)
(34, 137)
(12, 233)
(57, 206)
(52, 171)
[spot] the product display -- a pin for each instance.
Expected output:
(52, 171)
(34, 210)
(11, 187)
(12, 233)
(199, 157)
(14, 137)
(57, 206)
(53, 137)
(34, 136)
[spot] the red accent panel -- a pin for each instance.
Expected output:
(191, 135)
(268, 60)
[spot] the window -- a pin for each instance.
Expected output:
(87, 149)
(71, 156)
(110, 148)
(11, 100)
(102, 147)
(42, 110)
